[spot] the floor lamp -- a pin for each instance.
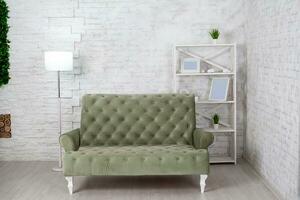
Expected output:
(59, 61)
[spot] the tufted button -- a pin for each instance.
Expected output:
(121, 119)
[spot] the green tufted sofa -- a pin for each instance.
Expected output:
(136, 135)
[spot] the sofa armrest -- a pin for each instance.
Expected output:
(202, 140)
(70, 140)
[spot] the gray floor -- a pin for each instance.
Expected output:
(36, 181)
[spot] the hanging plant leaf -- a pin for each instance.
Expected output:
(4, 44)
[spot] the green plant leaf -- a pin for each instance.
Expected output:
(214, 33)
(4, 44)
(216, 119)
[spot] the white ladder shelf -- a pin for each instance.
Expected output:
(181, 51)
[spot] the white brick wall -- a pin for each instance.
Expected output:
(124, 46)
(120, 46)
(273, 79)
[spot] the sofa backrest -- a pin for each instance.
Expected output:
(108, 119)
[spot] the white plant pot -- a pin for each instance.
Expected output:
(216, 126)
(215, 41)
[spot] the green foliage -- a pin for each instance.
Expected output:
(214, 33)
(216, 119)
(4, 44)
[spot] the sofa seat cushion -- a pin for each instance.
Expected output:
(136, 160)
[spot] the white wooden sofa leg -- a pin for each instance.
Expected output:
(70, 183)
(202, 182)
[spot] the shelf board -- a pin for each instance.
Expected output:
(205, 74)
(219, 130)
(225, 159)
(207, 45)
(214, 102)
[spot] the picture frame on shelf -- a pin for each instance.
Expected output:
(190, 65)
(219, 89)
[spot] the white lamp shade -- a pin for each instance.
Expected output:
(59, 60)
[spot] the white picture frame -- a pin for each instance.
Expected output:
(190, 65)
(219, 89)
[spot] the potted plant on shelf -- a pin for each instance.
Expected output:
(216, 120)
(214, 33)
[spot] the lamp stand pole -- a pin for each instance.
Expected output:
(59, 168)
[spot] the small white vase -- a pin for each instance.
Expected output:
(215, 41)
(216, 126)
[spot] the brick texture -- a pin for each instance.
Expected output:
(273, 80)
(120, 46)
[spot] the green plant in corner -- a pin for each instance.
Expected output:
(4, 44)
(214, 33)
(216, 119)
